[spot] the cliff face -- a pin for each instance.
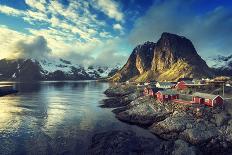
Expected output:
(171, 57)
(138, 63)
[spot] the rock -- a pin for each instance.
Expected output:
(119, 91)
(143, 113)
(183, 148)
(202, 132)
(125, 142)
(221, 118)
(172, 126)
(113, 103)
(197, 126)
(170, 58)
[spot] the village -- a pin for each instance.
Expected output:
(197, 112)
(209, 92)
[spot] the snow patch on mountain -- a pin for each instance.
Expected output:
(93, 71)
(102, 71)
(222, 62)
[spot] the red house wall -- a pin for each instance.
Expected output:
(151, 93)
(198, 100)
(159, 96)
(181, 85)
(162, 97)
(219, 101)
(208, 102)
(146, 91)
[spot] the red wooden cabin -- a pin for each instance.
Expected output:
(183, 84)
(208, 99)
(167, 95)
(150, 91)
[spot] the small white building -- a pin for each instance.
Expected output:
(164, 85)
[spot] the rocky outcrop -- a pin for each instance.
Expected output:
(126, 142)
(172, 57)
(196, 128)
(143, 112)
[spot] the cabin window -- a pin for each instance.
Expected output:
(206, 100)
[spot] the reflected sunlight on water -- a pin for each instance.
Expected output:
(55, 118)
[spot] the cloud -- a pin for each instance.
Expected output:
(110, 57)
(10, 11)
(35, 48)
(9, 37)
(71, 31)
(209, 31)
(117, 27)
(110, 8)
(37, 4)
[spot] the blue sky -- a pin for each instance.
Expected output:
(106, 31)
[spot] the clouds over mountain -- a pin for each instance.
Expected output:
(35, 48)
(210, 30)
(69, 30)
(92, 29)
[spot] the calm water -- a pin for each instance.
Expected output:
(55, 118)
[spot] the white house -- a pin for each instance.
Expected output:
(164, 85)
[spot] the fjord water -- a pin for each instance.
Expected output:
(56, 118)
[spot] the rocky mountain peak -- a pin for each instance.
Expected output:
(139, 61)
(170, 58)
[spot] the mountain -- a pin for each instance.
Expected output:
(222, 65)
(172, 57)
(138, 63)
(51, 69)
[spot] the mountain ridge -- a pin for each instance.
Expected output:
(51, 69)
(173, 57)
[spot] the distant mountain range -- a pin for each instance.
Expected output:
(171, 58)
(222, 65)
(51, 69)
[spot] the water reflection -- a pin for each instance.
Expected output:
(54, 118)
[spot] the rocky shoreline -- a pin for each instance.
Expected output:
(184, 129)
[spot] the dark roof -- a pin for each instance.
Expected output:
(156, 89)
(188, 82)
(185, 79)
(205, 95)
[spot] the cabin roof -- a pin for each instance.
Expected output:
(165, 83)
(188, 82)
(155, 89)
(168, 92)
(205, 95)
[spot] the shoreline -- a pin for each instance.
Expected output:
(207, 131)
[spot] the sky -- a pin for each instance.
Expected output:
(104, 32)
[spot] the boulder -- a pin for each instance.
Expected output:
(125, 142)
(221, 118)
(143, 113)
(172, 126)
(183, 148)
(202, 132)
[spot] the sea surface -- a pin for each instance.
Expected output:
(56, 118)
